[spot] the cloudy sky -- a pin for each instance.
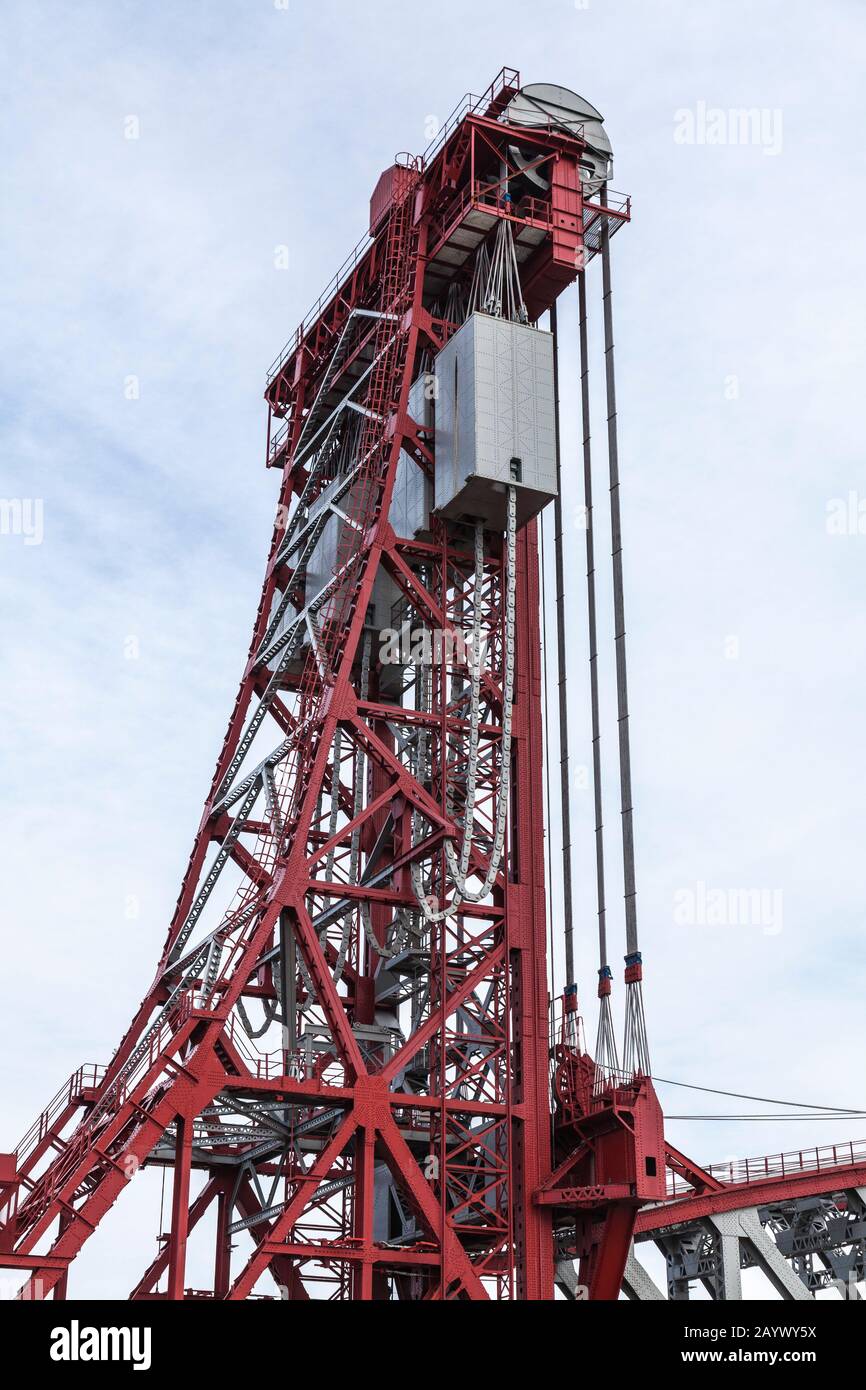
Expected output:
(158, 159)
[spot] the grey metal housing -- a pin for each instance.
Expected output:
(413, 491)
(495, 420)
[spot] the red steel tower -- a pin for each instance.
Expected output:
(345, 1051)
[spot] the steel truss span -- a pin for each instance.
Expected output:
(344, 1063)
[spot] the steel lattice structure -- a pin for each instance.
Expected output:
(348, 1032)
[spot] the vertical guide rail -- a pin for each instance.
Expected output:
(635, 1050)
(564, 778)
(606, 1058)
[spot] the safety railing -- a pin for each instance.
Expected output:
(817, 1159)
(262, 1065)
(85, 1078)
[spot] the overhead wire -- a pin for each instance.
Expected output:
(854, 1115)
(764, 1100)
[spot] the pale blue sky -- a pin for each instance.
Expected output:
(154, 258)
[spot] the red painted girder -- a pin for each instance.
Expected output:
(58, 1263)
(603, 1270)
(371, 1254)
(758, 1193)
(681, 1164)
(313, 1092)
(595, 1195)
